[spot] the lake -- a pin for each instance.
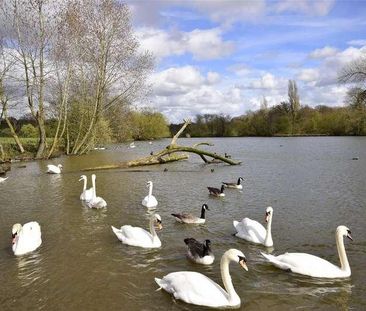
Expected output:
(312, 183)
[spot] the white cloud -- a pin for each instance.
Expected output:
(310, 7)
(202, 44)
(323, 52)
(308, 75)
(360, 42)
(268, 82)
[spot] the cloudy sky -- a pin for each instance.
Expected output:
(225, 56)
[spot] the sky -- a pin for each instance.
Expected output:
(226, 56)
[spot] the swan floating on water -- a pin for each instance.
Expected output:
(150, 201)
(198, 252)
(253, 231)
(191, 219)
(87, 194)
(53, 169)
(217, 192)
(96, 202)
(196, 288)
(26, 238)
(136, 236)
(2, 179)
(234, 185)
(314, 266)
(132, 145)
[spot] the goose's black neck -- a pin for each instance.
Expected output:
(239, 181)
(203, 212)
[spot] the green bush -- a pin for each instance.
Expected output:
(29, 131)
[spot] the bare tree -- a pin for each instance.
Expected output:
(110, 68)
(30, 28)
(5, 92)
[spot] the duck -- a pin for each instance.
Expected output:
(139, 237)
(200, 253)
(96, 202)
(53, 169)
(26, 238)
(87, 194)
(253, 231)
(196, 288)
(313, 266)
(217, 192)
(150, 201)
(2, 179)
(234, 185)
(191, 219)
(227, 156)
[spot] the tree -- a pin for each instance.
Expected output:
(110, 70)
(294, 103)
(30, 25)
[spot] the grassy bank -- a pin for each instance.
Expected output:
(11, 150)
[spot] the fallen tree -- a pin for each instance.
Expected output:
(172, 153)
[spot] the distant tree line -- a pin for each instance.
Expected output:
(289, 117)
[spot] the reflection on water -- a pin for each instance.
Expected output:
(311, 183)
(30, 268)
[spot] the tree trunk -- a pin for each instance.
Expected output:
(171, 153)
(12, 130)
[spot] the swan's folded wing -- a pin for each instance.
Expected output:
(195, 288)
(254, 229)
(134, 233)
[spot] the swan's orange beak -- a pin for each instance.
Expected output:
(159, 225)
(243, 264)
(349, 236)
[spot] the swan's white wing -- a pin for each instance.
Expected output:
(28, 239)
(136, 236)
(88, 194)
(194, 288)
(305, 264)
(250, 230)
(150, 201)
(97, 202)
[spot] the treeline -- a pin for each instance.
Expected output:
(288, 118)
(116, 127)
(275, 121)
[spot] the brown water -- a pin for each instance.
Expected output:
(312, 183)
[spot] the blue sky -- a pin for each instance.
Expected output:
(225, 56)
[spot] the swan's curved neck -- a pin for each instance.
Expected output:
(150, 189)
(268, 239)
(94, 188)
(203, 212)
(233, 297)
(342, 253)
(152, 228)
(85, 184)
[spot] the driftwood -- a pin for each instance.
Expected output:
(173, 152)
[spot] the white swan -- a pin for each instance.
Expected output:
(87, 194)
(196, 288)
(253, 231)
(26, 238)
(314, 266)
(53, 169)
(3, 179)
(150, 201)
(132, 145)
(96, 202)
(136, 236)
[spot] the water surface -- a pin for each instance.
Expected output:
(312, 183)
